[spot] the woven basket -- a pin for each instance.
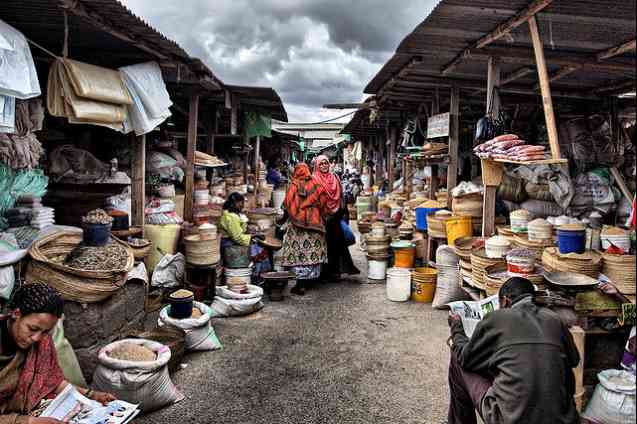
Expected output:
(75, 285)
(463, 247)
(589, 263)
(202, 251)
(437, 225)
(522, 240)
(467, 205)
(621, 271)
(479, 263)
(140, 251)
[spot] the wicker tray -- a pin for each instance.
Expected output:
(621, 271)
(588, 264)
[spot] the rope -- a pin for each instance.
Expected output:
(53, 55)
(333, 119)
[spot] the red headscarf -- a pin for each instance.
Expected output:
(330, 183)
(305, 200)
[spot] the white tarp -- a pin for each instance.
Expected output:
(151, 101)
(18, 77)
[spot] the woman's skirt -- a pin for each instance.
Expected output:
(304, 251)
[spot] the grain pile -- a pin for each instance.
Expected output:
(111, 257)
(196, 313)
(97, 216)
(133, 352)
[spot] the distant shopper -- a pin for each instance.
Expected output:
(517, 366)
(273, 175)
(304, 245)
(339, 258)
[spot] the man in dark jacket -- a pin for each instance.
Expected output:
(517, 366)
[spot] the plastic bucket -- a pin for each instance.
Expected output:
(278, 196)
(398, 284)
(423, 292)
(96, 234)
(180, 307)
(458, 227)
(238, 279)
(404, 257)
(571, 241)
(377, 268)
(421, 217)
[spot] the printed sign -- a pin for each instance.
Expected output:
(438, 126)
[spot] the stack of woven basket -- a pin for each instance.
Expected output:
(522, 240)
(479, 262)
(589, 263)
(437, 223)
(621, 271)
(377, 246)
(496, 275)
(463, 247)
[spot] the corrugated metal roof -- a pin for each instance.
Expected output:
(130, 39)
(569, 28)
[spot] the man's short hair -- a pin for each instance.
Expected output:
(516, 287)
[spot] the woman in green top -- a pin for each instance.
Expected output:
(234, 227)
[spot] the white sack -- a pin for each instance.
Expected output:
(146, 383)
(253, 292)
(200, 335)
(222, 308)
(613, 402)
(169, 272)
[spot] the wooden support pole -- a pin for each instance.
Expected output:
(391, 157)
(138, 183)
(378, 160)
(617, 50)
(488, 167)
(435, 106)
(454, 142)
(257, 166)
(433, 185)
(619, 179)
(234, 114)
(579, 337)
(213, 128)
(193, 113)
(493, 87)
(549, 114)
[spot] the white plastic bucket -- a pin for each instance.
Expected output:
(398, 284)
(623, 241)
(377, 269)
(237, 279)
(278, 196)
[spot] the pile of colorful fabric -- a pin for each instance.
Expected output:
(509, 147)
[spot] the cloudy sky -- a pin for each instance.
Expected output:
(311, 52)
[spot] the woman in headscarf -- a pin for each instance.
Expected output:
(339, 259)
(304, 246)
(29, 368)
(234, 227)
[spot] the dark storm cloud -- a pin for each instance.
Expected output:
(311, 51)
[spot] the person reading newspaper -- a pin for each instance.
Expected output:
(29, 370)
(516, 367)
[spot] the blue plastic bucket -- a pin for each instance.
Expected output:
(571, 241)
(421, 217)
(96, 234)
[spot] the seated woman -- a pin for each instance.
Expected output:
(234, 225)
(29, 369)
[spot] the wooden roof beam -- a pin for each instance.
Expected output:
(616, 87)
(617, 50)
(501, 30)
(559, 74)
(516, 75)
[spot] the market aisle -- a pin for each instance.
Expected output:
(341, 354)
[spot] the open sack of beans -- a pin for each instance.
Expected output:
(200, 335)
(136, 370)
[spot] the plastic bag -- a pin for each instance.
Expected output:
(7, 282)
(222, 308)
(350, 239)
(146, 383)
(169, 272)
(613, 401)
(200, 335)
(18, 76)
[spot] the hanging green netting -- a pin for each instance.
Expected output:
(14, 184)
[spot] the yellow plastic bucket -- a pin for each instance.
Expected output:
(458, 226)
(423, 292)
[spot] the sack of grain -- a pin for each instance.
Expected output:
(539, 192)
(200, 335)
(135, 379)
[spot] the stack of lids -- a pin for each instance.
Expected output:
(588, 263)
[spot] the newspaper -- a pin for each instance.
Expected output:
(71, 407)
(472, 313)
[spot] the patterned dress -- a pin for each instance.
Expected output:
(304, 252)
